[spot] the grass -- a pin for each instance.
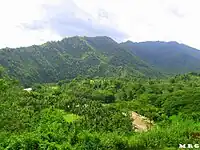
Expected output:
(54, 87)
(71, 117)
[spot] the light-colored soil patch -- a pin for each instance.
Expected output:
(140, 123)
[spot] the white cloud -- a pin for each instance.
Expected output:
(141, 20)
(15, 13)
(146, 20)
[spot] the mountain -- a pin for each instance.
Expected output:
(70, 57)
(168, 57)
(94, 113)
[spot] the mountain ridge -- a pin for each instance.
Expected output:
(98, 56)
(70, 57)
(170, 57)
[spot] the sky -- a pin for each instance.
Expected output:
(28, 22)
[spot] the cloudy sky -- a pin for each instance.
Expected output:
(28, 22)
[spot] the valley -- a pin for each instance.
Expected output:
(94, 93)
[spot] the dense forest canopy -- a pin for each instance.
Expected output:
(70, 57)
(168, 57)
(97, 56)
(85, 91)
(94, 113)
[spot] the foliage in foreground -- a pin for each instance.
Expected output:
(94, 114)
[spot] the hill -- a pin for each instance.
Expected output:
(70, 57)
(98, 113)
(168, 57)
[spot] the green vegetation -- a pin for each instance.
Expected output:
(97, 56)
(168, 57)
(71, 117)
(70, 57)
(93, 113)
(84, 90)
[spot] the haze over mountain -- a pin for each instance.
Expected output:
(168, 57)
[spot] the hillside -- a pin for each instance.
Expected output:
(168, 57)
(99, 113)
(97, 56)
(70, 57)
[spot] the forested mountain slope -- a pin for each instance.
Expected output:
(169, 57)
(70, 57)
(95, 113)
